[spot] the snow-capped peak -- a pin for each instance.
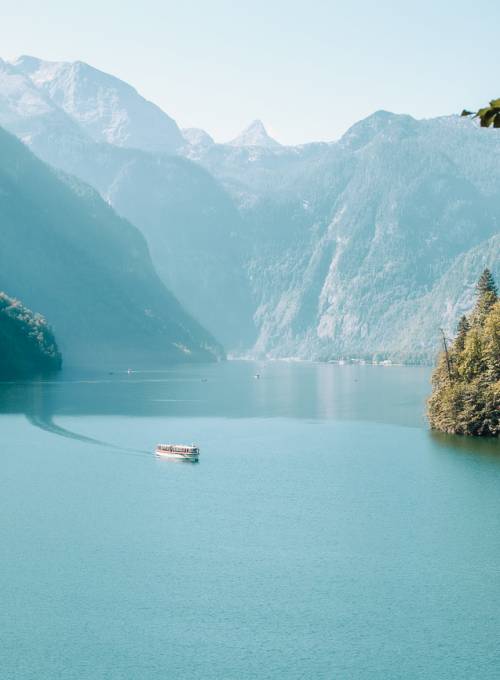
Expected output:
(255, 135)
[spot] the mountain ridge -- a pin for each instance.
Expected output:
(67, 254)
(106, 107)
(335, 245)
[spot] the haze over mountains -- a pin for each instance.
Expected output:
(108, 109)
(255, 135)
(67, 254)
(363, 247)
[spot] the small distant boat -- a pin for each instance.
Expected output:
(179, 451)
(257, 376)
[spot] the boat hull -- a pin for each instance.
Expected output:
(193, 457)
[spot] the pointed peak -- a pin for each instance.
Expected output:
(257, 124)
(255, 135)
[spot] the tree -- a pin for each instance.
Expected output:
(462, 330)
(27, 343)
(491, 350)
(489, 116)
(471, 363)
(466, 400)
(486, 283)
(486, 297)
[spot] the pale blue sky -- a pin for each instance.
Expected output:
(307, 69)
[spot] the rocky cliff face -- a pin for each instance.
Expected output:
(189, 221)
(108, 109)
(350, 243)
(363, 247)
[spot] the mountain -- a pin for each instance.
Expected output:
(353, 248)
(255, 135)
(108, 109)
(194, 233)
(189, 221)
(348, 243)
(32, 116)
(197, 137)
(67, 254)
(197, 142)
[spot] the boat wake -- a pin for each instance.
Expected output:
(47, 424)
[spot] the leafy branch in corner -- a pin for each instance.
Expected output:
(489, 116)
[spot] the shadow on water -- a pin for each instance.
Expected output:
(229, 390)
(483, 446)
(35, 400)
(322, 392)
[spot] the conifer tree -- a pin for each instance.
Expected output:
(486, 283)
(468, 401)
(486, 297)
(471, 363)
(491, 349)
(462, 330)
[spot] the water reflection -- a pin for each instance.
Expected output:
(284, 389)
(394, 395)
(487, 447)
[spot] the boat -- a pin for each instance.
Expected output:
(179, 451)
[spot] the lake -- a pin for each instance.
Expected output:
(325, 532)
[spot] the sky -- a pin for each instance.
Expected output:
(308, 70)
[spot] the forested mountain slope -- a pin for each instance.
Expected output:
(189, 221)
(317, 251)
(65, 253)
(27, 344)
(349, 243)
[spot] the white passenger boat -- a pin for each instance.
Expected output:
(179, 451)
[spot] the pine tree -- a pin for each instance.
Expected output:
(486, 283)
(469, 402)
(471, 362)
(462, 330)
(491, 350)
(486, 297)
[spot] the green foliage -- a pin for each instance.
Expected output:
(468, 400)
(489, 116)
(27, 344)
(486, 283)
(486, 298)
(66, 251)
(462, 330)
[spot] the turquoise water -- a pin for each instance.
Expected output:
(325, 533)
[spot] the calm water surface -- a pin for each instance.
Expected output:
(325, 533)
